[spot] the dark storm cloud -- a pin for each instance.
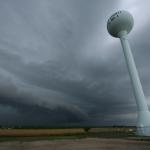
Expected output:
(23, 108)
(58, 64)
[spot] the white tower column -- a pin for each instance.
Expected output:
(136, 84)
(143, 121)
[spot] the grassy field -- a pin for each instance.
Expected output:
(52, 134)
(39, 132)
(73, 139)
(69, 133)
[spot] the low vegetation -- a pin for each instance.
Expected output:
(39, 132)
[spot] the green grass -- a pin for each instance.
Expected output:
(28, 139)
(69, 136)
(106, 132)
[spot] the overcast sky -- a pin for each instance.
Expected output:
(59, 65)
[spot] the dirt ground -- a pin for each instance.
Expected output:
(77, 144)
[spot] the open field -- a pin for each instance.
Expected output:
(33, 134)
(39, 132)
(10, 132)
(77, 144)
(102, 138)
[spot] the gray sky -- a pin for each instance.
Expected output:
(59, 65)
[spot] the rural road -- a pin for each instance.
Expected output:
(77, 144)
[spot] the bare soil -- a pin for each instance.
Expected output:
(77, 144)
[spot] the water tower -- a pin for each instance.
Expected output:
(119, 25)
